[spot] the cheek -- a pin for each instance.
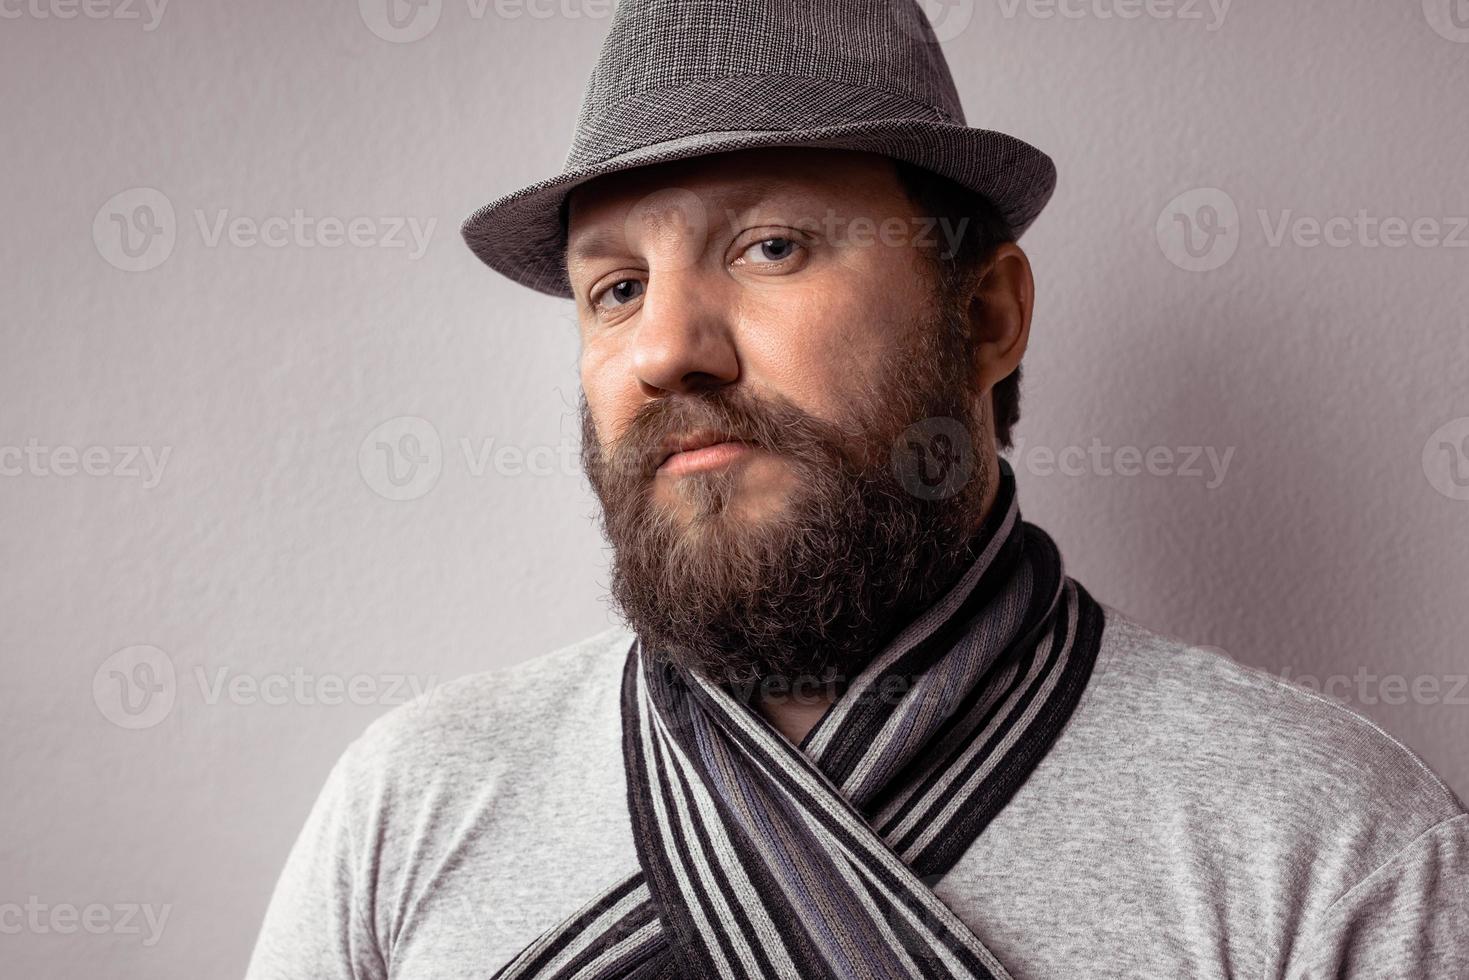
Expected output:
(611, 400)
(817, 352)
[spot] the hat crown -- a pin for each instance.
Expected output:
(717, 65)
(679, 79)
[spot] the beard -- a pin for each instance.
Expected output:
(865, 538)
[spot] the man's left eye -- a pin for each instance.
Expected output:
(770, 250)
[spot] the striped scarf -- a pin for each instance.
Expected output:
(764, 860)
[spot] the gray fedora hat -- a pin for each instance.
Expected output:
(686, 78)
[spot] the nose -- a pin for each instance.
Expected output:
(684, 342)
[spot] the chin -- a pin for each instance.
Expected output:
(756, 492)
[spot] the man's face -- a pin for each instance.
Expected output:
(758, 330)
(749, 269)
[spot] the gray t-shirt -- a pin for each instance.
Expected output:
(1196, 818)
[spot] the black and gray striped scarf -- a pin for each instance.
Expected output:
(764, 860)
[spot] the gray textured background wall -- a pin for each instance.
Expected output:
(208, 589)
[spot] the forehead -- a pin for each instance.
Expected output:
(814, 180)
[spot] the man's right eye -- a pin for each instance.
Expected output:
(619, 293)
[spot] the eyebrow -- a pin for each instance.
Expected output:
(594, 245)
(600, 243)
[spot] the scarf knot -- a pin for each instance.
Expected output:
(760, 859)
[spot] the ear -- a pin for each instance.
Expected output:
(1000, 308)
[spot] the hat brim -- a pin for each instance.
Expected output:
(522, 235)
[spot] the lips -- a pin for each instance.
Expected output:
(690, 442)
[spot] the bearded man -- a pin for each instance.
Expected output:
(859, 722)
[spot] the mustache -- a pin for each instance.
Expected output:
(770, 423)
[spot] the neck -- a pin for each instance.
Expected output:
(794, 714)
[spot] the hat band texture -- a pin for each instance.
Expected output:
(741, 103)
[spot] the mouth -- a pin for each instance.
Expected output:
(705, 449)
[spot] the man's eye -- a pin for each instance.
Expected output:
(620, 293)
(770, 250)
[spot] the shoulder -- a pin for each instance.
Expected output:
(1254, 740)
(457, 781)
(478, 720)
